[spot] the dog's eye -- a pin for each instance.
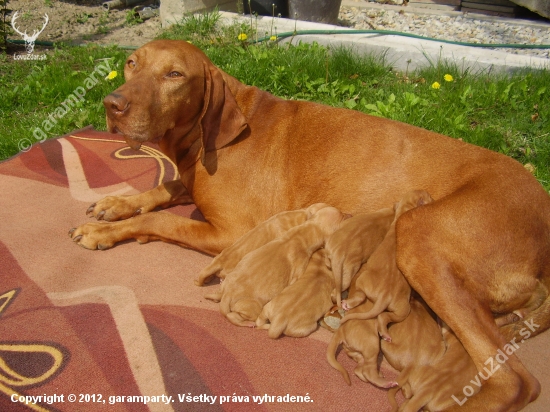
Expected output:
(175, 74)
(131, 64)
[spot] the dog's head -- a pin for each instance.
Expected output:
(172, 88)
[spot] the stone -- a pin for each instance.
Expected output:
(172, 11)
(541, 7)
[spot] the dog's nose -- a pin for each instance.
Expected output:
(116, 104)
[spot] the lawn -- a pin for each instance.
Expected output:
(506, 113)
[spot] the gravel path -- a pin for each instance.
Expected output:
(455, 28)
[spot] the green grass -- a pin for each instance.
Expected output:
(506, 113)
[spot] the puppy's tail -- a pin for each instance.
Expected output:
(205, 276)
(376, 310)
(331, 356)
(391, 398)
(402, 379)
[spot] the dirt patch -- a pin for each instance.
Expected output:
(85, 21)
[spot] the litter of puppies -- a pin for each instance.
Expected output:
(287, 274)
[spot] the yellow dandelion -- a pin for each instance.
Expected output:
(436, 85)
(111, 75)
(273, 38)
(448, 78)
(242, 37)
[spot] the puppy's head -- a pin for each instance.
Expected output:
(314, 208)
(411, 200)
(329, 219)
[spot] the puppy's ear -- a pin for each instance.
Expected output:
(221, 120)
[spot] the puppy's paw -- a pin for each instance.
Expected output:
(345, 305)
(114, 208)
(93, 236)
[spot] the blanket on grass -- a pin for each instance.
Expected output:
(126, 329)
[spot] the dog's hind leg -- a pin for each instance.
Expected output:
(368, 372)
(332, 348)
(449, 266)
(399, 314)
(354, 300)
(248, 310)
(236, 319)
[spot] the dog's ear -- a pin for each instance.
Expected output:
(221, 120)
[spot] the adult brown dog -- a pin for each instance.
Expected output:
(245, 155)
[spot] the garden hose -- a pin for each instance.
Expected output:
(397, 33)
(328, 32)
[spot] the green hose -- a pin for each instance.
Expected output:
(397, 33)
(383, 32)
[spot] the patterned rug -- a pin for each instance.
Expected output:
(126, 329)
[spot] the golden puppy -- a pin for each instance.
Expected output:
(360, 341)
(265, 232)
(433, 363)
(351, 245)
(296, 310)
(263, 273)
(381, 281)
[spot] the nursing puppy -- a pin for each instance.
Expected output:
(351, 245)
(433, 363)
(296, 310)
(265, 232)
(360, 341)
(381, 281)
(263, 273)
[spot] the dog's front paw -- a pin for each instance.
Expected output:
(92, 236)
(114, 208)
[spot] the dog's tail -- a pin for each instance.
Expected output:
(331, 355)
(377, 309)
(401, 381)
(205, 276)
(391, 398)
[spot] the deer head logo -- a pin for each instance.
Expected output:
(29, 40)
